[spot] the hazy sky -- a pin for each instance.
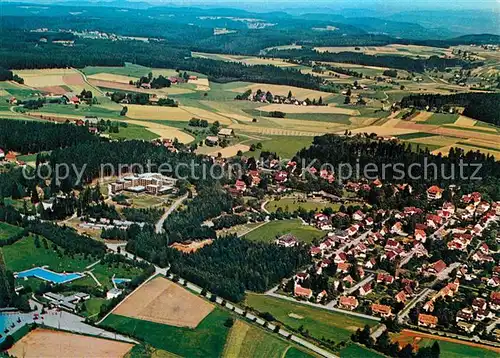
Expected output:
(263, 5)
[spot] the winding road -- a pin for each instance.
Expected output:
(171, 209)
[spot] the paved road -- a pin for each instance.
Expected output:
(71, 322)
(171, 209)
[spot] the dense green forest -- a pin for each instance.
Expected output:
(229, 266)
(34, 137)
(391, 61)
(25, 54)
(481, 106)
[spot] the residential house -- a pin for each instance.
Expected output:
(348, 302)
(434, 192)
(436, 267)
(427, 320)
(287, 240)
(300, 291)
(382, 310)
(401, 297)
(365, 289)
(467, 327)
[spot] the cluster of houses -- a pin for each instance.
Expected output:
(361, 244)
(267, 97)
(150, 183)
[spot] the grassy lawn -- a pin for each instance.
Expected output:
(133, 131)
(7, 230)
(293, 204)
(442, 118)
(319, 322)
(129, 69)
(93, 306)
(23, 255)
(273, 229)
(82, 110)
(206, 340)
(456, 350)
(293, 352)
(355, 351)
(18, 204)
(283, 146)
(104, 273)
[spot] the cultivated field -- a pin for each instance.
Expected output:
(55, 80)
(162, 301)
(49, 343)
(227, 152)
(165, 132)
(206, 340)
(112, 78)
(287, 108)
(181, 113)
(393, 49)
(192, 246)
(247, 341)
(201, 84)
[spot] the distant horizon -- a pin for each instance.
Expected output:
(380, 6)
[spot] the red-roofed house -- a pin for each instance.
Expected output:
(437, 267)
(348, 302)
(300, 291)
(383, 310)
(427, 320)
(365, 289)
(434, 192)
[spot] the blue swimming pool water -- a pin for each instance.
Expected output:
(48, 275)
(121, 280)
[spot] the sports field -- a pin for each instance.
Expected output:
(273, 229)
(164, 302)
(50, 343)
(319, 322)
(206, 340)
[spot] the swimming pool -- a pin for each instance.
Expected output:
(47, 275)
(121, 280)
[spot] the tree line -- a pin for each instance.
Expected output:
(481, 106)
(391, 61)
(33, 137)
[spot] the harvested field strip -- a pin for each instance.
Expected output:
(51, 343)
(422, 116)
(436, 140)
(112, 78)
(466, 122)
(478, 146)
(247, 341)
(415, 135)
(274, 131)
(230, 151)
(162, 301)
